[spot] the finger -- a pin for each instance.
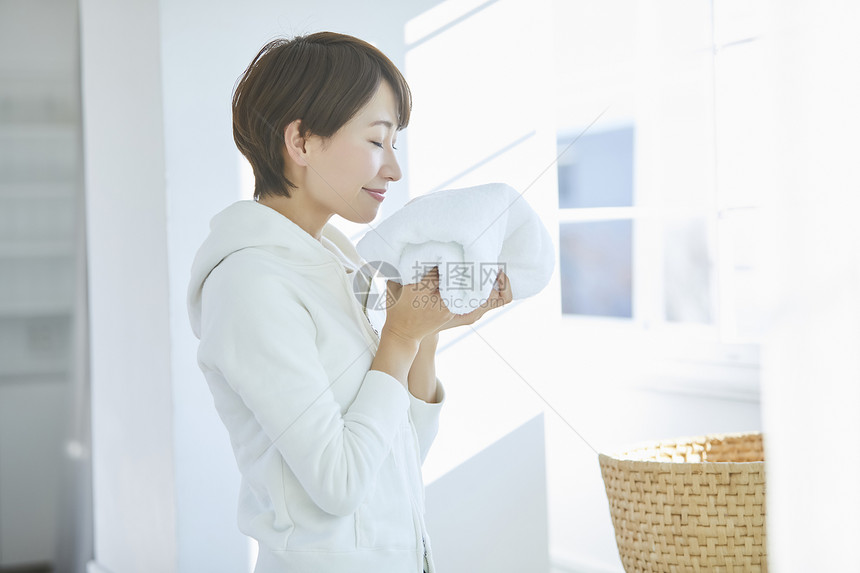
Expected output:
(430, 280)
(505, 291)
(502, 282)
(496, 300)
(500, 295)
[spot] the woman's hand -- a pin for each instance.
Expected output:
(499, 296)
(416, 310)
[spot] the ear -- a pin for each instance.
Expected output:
(295, 143)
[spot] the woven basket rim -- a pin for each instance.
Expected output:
(667, 465)
(626, 455)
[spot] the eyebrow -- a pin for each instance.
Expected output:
(387, 124)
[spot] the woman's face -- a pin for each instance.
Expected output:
(348, 173)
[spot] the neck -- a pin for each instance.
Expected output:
(297, 210)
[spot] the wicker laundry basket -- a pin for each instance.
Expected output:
(693, 504)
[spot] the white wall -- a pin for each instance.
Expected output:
(811, 361)
(490, 513)
(481, 84)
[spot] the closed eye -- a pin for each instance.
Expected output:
(379, 145)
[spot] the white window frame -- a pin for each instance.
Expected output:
(685, 358)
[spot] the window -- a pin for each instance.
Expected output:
(654, 225)
(595, 174)
(598, 217)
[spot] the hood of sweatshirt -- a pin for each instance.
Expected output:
(249, 224)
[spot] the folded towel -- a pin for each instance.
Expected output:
(469, 234)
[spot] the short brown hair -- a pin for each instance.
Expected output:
(323, 79)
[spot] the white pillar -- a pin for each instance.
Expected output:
(132, 409)
(159, 163)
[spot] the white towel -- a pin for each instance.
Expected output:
(469, 234)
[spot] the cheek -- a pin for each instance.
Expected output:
(351, 166)
(362, 164)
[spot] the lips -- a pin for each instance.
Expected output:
(378, 194)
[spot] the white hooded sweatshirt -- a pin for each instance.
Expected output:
(330, 451)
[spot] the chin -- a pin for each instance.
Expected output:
(363, 218)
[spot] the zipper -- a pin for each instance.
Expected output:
(414, 480)
(364, 305)
(367, 316)
(373, 338)
(419, 525)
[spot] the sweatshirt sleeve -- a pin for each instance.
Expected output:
(425, 418)
(261, 339)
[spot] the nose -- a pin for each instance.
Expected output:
(390, 169)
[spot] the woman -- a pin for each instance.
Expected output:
(329, 421)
